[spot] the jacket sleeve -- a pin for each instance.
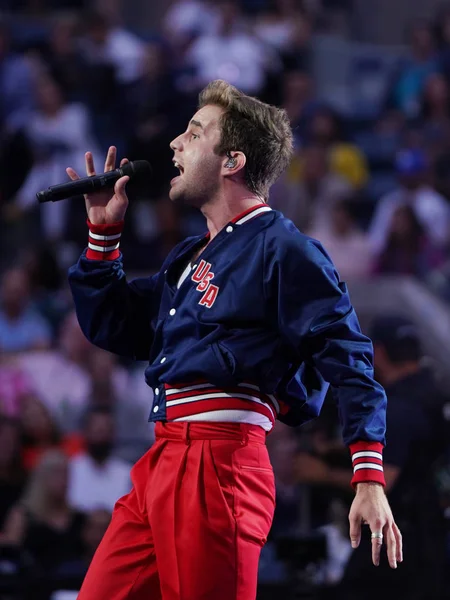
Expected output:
(114, 314)
(317, 320)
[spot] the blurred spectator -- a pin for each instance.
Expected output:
(299, 54)
(97, 479)
(232, 53)
(15, 386)
(279, 23)
(408, 250)
(298, 101)
(21, 327)
(46, 280)
(62, 377)
(322, 465)
(159, 226)
(431, 209)
(339, 548)
(347, 245)
(105, 44)
(43, 523)
(12, 474)
(187, 19)
(16, 85)
(134, 434)
(282, 446)
(154, 112)
(63, 58)
(92, 532)
(413, 72)
(59, 133)
(346, 159)
(435, 109)
(442, 26)
(18, 98)
(309, 190)
(417, 437)
(40, 434)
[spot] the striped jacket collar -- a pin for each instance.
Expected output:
(250, 213)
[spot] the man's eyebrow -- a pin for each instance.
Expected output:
(196, 123)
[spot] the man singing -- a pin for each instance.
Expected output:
(243, 325)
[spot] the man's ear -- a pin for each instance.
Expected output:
(234, 162)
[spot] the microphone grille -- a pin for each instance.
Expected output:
(137, 167)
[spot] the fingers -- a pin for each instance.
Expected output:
(376, 551)
(355, 530)
(399, 542)
(391, 546)
(111, 157)
(90, 167)
(377, 542)
(119, 188)
(72, 174)
(124, 161)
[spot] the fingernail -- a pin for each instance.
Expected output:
(354, 544)
(377, 564)
(394, 565)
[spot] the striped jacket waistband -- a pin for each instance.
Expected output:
(192, 399)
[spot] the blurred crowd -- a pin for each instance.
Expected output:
(374, 190)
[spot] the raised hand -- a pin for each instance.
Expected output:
(105, 206)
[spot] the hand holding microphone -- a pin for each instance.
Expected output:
(105, 194)
(105, 206)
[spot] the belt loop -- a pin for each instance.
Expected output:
(244, 430)
(186, 433)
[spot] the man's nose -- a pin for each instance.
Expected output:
(176, 143)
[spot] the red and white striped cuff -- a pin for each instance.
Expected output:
(367, 459)
(104, 241)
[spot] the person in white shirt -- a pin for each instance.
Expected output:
(96, 478)
(347, 245)
(113, 45)
(431, 209)
(232, 53)
(57, 132)
(61, 378)
(187, 18)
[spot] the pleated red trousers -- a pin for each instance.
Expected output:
(193, 526)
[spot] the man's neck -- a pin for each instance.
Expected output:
(222, 210)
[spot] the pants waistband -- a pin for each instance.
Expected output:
(186, 431)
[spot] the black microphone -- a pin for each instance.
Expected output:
(94, 183)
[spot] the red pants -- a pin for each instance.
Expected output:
(193, 526)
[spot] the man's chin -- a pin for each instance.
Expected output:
(176, 195)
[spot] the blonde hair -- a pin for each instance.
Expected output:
(261, 131)
(35, 498)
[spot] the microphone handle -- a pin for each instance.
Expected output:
(80, 186)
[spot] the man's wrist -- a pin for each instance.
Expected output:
(104, 241)
(363, 486)
(367, 460)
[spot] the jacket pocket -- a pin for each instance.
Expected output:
(226, 361)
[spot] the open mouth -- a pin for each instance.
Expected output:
(179, 167)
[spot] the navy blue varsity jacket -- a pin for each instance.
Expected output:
(258, 329)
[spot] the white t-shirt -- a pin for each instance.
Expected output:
(92, 486)
(239, 58)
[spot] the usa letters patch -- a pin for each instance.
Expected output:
(202, 276)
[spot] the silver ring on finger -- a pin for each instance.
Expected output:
(377, 535)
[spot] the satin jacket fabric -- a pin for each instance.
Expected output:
(279, 318)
